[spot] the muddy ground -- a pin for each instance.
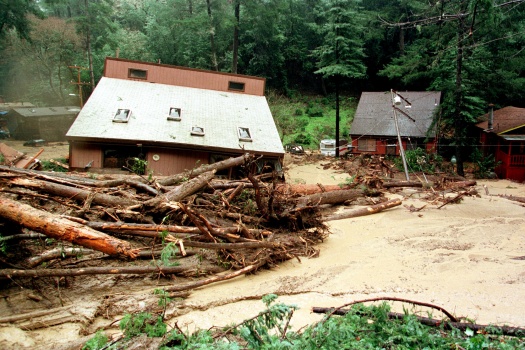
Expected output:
(466, 257)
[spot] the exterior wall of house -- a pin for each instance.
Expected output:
(169, 162)
(388, 147)
(81, 154)
(50, 128)
(180, 76)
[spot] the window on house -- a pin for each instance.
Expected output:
(197, 131)
(137, 73)
(175, 114)
(235, 86)
(122, 116)
(366, 145)
(244, 134)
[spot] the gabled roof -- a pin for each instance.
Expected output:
(30, 112)
(505, 120)
(374, 115)
(219, 113)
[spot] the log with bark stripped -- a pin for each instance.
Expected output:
(56, 227)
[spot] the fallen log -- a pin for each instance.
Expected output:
(225, 164)
(76, 194)
(106, 270)
(182, 191)
(57, 253)
(462, 326)
(33, 314)
(334, 197)
(306, 189)
(402, 184)
(513, 198)
(158, 230)
(364, 211)
(214, 279)
(56, 227)
(19, 237)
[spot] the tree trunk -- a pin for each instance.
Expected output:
(334, 197)
(62, 229)
(75, 193)
(213, 53)
(225, 164)
(182, 191)
(364, 211)
(105, 270)
(236, 35)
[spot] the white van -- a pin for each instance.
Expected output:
(327, 147)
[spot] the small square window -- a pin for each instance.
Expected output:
(175, 114)
(122, 116)
(197, 131)
(138, 73)
(244, 134)
(235, 86)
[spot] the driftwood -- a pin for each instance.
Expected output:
(299, 189)
(186, 189)
(111, 270)
(77, 194)
(57, 253)
(225, 164)
(214, 279)
(402, 184)
(56, 227)
(364, 211)
(334, 197)
(513, 198)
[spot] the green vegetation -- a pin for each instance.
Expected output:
(419, 160)
(484, 165)
(363, 327)
(306, 120)
(50, 166)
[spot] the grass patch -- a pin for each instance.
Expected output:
(306, 120)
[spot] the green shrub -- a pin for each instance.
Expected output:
(419, 160)
(315, 111)
(484, 165)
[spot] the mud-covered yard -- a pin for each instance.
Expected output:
(467, 257)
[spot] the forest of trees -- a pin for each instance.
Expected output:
(471, 50)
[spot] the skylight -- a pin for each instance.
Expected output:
(244, 134)
(122, 116)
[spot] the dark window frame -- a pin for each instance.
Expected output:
(236, 86)
(131, 74)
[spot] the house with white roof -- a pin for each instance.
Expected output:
(173, 118)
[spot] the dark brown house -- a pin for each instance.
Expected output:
(172, 117)
(373, 129)
(47, 123)
(502, 135)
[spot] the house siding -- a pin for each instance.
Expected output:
(173, 162)
(179, 76)
(82, 154)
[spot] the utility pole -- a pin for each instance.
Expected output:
(79, 83)
(396, 100)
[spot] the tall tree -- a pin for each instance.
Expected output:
(341, 55)
(14, 15)
(455, 32)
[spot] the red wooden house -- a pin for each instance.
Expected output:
(373, 129)
(174, 118)
(502, 134)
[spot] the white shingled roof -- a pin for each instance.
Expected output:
(219, 113)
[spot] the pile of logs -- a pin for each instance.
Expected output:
(244, 224)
